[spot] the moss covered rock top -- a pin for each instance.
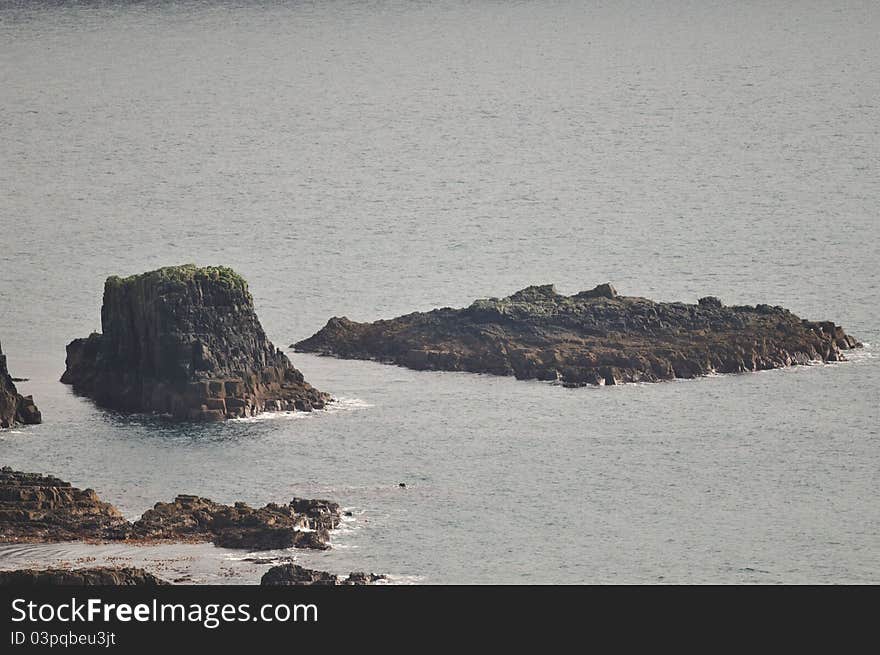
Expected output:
(182, 276)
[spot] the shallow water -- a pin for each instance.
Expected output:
(371, 159)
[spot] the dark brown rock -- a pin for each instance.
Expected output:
(15, 409)
(296, 575)
(595, 337)
(185, 342)
(105, 576)
(300, 524)
(361, 578)
(37, 508)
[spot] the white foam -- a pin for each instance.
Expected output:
(338, 405)
(401, 579)
(347, 404)
(859, 355)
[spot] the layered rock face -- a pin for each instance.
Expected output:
(296, 575)
(100, 575)
(37, 508)
(185, 342)
(14, 408)
(593, 337)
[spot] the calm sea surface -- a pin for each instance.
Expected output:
(369, 159)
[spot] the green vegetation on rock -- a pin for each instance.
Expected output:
(184, 275)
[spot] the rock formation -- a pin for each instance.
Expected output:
(14, 408)
(37, 508)
(296, 575)
(301, 523)
(593, 337)
(101, 575)
(185, 342)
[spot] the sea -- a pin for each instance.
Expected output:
(372, 158)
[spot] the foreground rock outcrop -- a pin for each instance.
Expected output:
(302, 523)
(37, 508)
(284, 575)
(593, 337)
(185, 342)
(15, 409)
(296, 575)
(101, 575)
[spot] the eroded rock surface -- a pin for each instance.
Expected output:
(37, 508)
(185, 342)
(101, 575)
(301, 523)
(296, 575)
(593, 337)
(15, 409)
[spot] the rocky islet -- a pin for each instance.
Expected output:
(594, 337)
(185, 341)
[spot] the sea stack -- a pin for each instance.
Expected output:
(185, 341)
(116, 576)
(593, 337)
(15, 409)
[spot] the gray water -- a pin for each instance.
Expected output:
(374, 158)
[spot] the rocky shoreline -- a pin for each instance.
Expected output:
(185, 342)
(87, 577)
(291, 575)
(594, 337)
(296, 575)
(38, 508)
(15, 409)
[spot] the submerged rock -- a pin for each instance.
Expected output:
(15, 409)
(593, 337)
(296, 575)
(37, 508)
(101, 575)
(185, 342)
